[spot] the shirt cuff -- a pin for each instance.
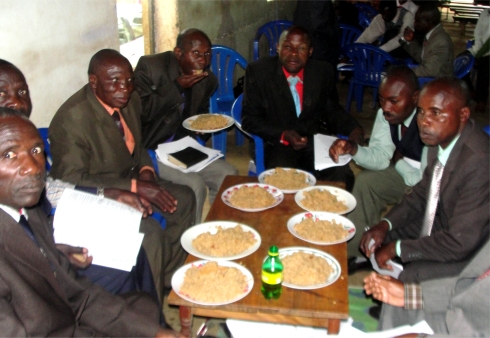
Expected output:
(147, 167)
(134, 187)
(413, 297)
(389, 223)
(398, 248)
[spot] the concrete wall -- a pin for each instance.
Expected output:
(52, 41)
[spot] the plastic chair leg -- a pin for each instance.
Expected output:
(359, 97)
(219, 141)
(349, 95)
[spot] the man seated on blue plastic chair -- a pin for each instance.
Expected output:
(389, 25)
(286, 116)
(173, 86)
(15, 95)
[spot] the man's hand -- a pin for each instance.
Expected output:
(131, 199)
(385, 289)
(408, 34)
(296, 141)
(77, 256)
(342, 147)
(188, 81)
(156, 195)
(385, 253)
(164, 333)
(378, 234)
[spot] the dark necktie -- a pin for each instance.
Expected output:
(27, 228)
(403, 129)
(117, 119)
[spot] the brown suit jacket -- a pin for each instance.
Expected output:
(87, 147)
(42, 296)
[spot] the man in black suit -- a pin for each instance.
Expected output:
(287, 116)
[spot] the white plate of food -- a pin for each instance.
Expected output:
(325, 198)
(222, 282)
(311, 269)
(220, 240)
(208, 123)
(321, 228)
(289, 180)
(252, 197)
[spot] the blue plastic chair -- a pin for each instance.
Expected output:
(462, 66)
(367, 10)
(369, 64)
(236, 112)
(349, 35)
(364, 20)
(47, 148)
(223, 62)
(272, 31)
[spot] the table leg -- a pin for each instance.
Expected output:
(333, 326)
(185, 314)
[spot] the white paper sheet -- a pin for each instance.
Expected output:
(322, 145)
(171, 147)
(108, 229)
(397, 268)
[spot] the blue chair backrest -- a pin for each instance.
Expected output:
(463, 65)
(153, 156)
(223, 62)
(236, 113)
(272, 31)
(44, 132)
(364, 20)
(369, 62)
(367, 10)
(349, 34)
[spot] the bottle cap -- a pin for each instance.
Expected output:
(273, 251)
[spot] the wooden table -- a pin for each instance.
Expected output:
(323, 307)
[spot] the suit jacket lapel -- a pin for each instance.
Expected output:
(22, 248)
(454, 158)
(311, 85)
(279, 81)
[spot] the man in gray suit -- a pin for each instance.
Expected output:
(434, 51)
(41, 294)
(173, 86)
(96, 141)
(455, 306)
(435, 233)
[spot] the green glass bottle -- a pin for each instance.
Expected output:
(272, 275)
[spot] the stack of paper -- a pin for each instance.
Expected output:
(171, 147)
(322, 145)
(108, 229)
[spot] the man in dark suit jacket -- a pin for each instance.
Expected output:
(270, 111)
(461, 222)
(435, 54)
(40, 293)
(88, 149)
(455, 306)
(173, 86)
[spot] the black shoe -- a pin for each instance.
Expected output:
(375, 311)
(353, 266)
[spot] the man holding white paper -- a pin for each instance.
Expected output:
(173, 86)
(395, 138)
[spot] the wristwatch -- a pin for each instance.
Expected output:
(100, 192)
(402, 41)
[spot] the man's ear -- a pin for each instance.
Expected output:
(311, 51)
(277, 48)
(415, 97)
(92, 80)
(178, 53)
(464, 114)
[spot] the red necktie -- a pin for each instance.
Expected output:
(403, 129)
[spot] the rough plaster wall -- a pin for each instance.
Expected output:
(227, 22)
(52, 41)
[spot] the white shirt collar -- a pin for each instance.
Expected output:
(427, 36)
(15, 214)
